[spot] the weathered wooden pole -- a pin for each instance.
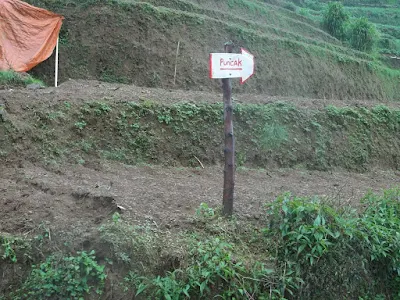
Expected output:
(229, 149)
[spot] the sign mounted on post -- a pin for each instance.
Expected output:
(232, 65)
(226, 66)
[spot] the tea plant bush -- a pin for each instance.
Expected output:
(336, 251)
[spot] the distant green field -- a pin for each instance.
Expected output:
(386, 17)
(380, 15)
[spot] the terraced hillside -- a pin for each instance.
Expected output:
(384, 14)
(135, 174)
(113, 191)
(136, 42)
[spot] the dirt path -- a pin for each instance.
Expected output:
(84, 90)
(76, 196)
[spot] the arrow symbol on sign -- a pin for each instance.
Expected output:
(231, 65)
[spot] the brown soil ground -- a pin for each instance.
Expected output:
(72, 196)
(76, 196)
(86, 90)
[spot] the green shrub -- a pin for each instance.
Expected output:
(66, 278)
(335, 251)
(362, 35)
(380, 235)
(334, 20)
(308, 234)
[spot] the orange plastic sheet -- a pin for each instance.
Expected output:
(28, 35)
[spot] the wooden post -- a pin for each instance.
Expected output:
(229, 149)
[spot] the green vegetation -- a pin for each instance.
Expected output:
(296, 248)
(303, 248)
(362, 35)
(67, 277)
(11, 79)
(335, 19)
(14, 248)
(383, 15)
(379, 15)
(273, 134)
(355, 254)
(212, 271)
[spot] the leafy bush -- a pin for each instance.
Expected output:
(67, 278)
(307, 228)
(334, 20)
(380, 235)
(362, 35)
(308, 235)
(338, 252)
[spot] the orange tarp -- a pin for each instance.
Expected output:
(28, 35)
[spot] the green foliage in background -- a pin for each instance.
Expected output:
(362, 35)
(335, 18)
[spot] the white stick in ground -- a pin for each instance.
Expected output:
(56, 66)
(176, 60)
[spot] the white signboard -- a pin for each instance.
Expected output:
(232, 65)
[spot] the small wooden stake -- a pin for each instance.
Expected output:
(229, 149)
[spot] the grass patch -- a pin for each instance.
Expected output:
(10, 79)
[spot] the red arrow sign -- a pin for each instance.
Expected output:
(231, 65)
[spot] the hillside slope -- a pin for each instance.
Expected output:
(136, 42)
(85, 122)
(77, 159)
